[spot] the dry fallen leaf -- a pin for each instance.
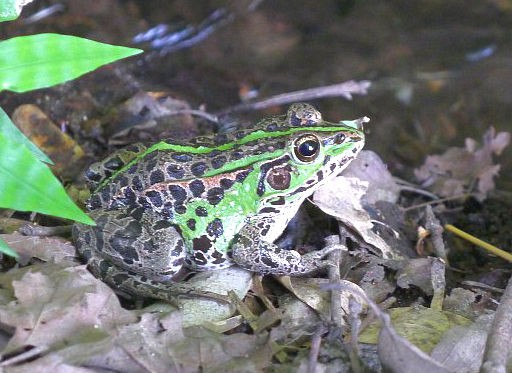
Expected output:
(342, 199)
(455, 172)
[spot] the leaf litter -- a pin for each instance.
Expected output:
(57, 316)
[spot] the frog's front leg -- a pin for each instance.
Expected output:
(252, 252)
(136, 252)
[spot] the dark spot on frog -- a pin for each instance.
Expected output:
(268, 261)
(268, 210)
(215, 195)
(94, 202)
(272, 127)
(105, 193)
(220, 139)
(300, 190)
(198, 169)
(129, 196)
(214, 153)
(132, 230)
(144, 202)
(327, 159)
(134, 148)
(294, 120)
(86, 254)
(226, 183)
(136, 214)
(168, 210)
(180, 209)
(196, 187)
(157, 176)
(155, 198)
(319, 175)
(137, 183)
(181, 157)
(122, 180)
(218, 162)
(332, 167)
(177, 263)
(175, 171)
(87, 238)
(191, 224)
(218, 257)
(242, 175)
(215, 228)
(199, 258)
(278, 201)
(279, 178)
(236, 155)
(162, 224)
(144, 111)
(201, 243)
(93, 175)
(132, 169)
(113, 163)
(240, 134)
(178, 193)
(119, 278)
(104, 267)
(201, 211)
(124, 247)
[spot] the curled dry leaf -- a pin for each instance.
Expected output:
(455, 172)
(342, 199)
(368, 166)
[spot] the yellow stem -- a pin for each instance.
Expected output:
(487, 246)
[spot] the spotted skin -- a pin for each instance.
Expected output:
(211, 202)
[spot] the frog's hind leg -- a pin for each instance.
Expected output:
(251, 252)
(136, 252)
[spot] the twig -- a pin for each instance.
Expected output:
(485, 245)
(498, 345)
(436, 233)
(316, 341)
(434, 202)
(345, 89)
(198, 113)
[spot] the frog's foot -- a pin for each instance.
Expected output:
(254, 254)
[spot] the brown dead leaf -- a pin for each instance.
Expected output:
(454, 172)
(52, 305)
(45, 248)
(63, 150)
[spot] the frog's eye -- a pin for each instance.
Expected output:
(306, 148)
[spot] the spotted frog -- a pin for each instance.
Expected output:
(211, 202)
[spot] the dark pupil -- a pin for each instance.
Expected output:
(308, 148)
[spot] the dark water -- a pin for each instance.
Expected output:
(441, 71)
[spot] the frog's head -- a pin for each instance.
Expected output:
(315, 151)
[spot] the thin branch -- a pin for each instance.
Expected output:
(345, 89)
(498, 347)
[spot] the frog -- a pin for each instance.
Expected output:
(211, 202)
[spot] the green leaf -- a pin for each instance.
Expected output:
(26, 184)
(38, 61)
(7, 250)
(14, 135)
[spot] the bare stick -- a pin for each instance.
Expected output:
(345, 89)
(498, 345)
